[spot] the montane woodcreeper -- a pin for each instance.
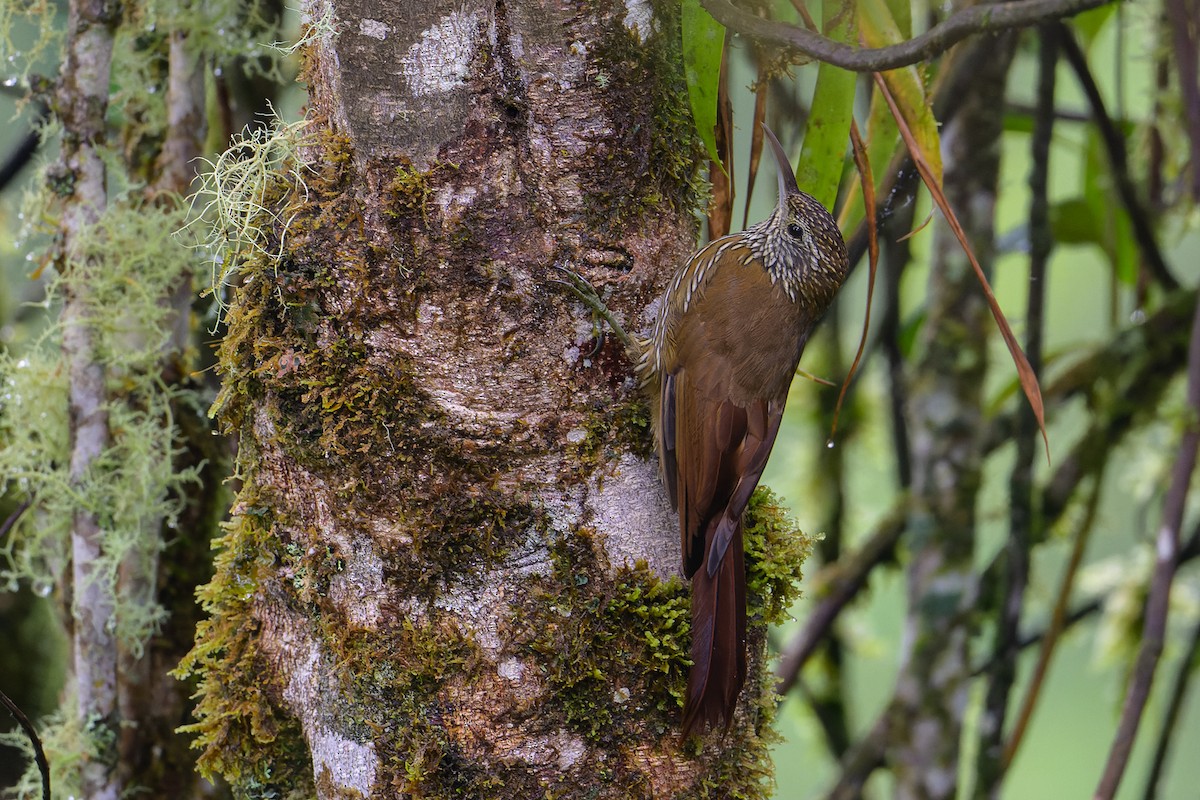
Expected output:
(729, 334)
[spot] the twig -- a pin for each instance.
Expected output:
(896, 257)
(1187, 668)
(863, 164)
(12, 518)
(959, 25)
(1189, 552)
(1183, 15)
(847, 578)
(1114, 145)
(21, 155)
(1157, 605)
(39, 755)
(1058, 622)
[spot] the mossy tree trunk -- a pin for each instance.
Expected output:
(451, 570)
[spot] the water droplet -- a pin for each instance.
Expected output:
(1138, 316)
(10, 82)
(42, 588)
(829, 443)
(217, 71)
(152, 89)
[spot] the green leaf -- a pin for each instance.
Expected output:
(1115, 230)
(1072, 222)
(703, 41)
(906, 84)
(827, 134)
(901, 11)
(1090, 23)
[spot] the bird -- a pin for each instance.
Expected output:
(726, 342)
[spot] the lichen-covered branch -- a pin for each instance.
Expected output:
(1025, 522)
(1166, 555)
(83, 97)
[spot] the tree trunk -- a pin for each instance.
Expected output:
(452, 570)
(945, 421)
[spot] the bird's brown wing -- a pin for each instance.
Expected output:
(719, 453)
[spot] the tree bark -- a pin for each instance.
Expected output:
(452, 570)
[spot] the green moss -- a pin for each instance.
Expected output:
(410, 189)
(338, 408)
(613, 653)
(241, 731)
(657, 130)
(612, 428)
(775, 553)
(399, 678)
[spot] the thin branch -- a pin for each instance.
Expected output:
(1189, 552)
(83, 100)
(1114, 145)
(1187, 668)
(20, 156)
(986, 18)
(845, 579)
(861, 761)
(1157, 605)
(1058, 622)
(12, 518)
(896, 257)
(1183, 15)
(39, 755)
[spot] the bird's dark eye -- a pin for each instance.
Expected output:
(795, 231)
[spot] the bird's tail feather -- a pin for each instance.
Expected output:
(718, 642)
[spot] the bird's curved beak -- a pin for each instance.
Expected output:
(787, 178)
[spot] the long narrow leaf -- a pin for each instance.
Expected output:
(819, 171)
(720, 172)
(756, 138)
(877, 28)
(1029, 384)
(703, 43)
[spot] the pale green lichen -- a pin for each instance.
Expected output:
(130, 261)
(236, 205)
(68, 742)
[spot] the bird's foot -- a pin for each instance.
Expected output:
(583, 289)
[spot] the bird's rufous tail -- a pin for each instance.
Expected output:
(718, 642)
